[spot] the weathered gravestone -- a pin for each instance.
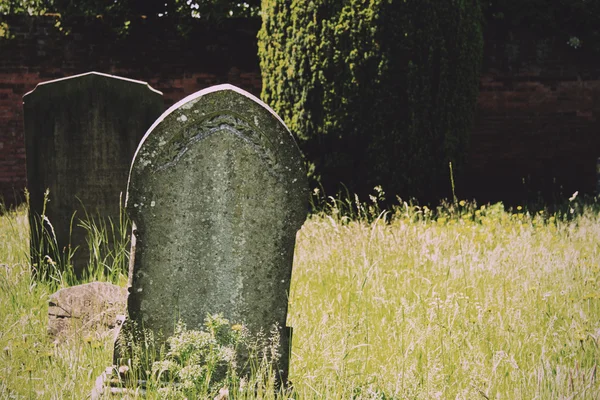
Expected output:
(217, 192)
(81, 133)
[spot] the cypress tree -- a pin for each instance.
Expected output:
(378, 92)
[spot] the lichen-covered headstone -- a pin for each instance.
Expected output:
(81, 133)
(217, 192)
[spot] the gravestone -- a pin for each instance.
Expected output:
(81, 133)
(217, 191)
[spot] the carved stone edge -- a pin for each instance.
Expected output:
(72, 78)
(105, 386)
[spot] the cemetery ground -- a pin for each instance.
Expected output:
(465, 301)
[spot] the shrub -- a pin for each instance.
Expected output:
(379, 92)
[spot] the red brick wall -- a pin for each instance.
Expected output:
(38, 52)
(12, 150)
(537, 127)
(536, 130)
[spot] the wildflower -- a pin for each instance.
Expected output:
(462, 203)
(574, 195)
(223, 394)
(236, 327)
(243, 384)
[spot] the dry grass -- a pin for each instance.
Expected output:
(470, 303)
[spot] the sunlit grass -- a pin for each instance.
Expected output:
(31, 365)
(459, 302)
(477, 303)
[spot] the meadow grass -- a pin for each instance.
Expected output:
(461, 302)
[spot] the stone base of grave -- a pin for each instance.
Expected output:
(109, 384)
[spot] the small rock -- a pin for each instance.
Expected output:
(91, 309)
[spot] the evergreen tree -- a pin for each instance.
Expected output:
(379, 92)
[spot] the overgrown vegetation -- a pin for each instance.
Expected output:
(199, 9)
(459, 301)
(107, 246)
(123, 17)
(382, 92)
(222, 358)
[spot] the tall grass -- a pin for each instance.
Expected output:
(108, 247)
(457, 302)
(31, 365)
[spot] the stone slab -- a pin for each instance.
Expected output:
(217, 192)
(81, 133)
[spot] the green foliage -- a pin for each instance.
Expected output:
(123, 16)
(196, 364)
(107, 242)
(108, 246)
(380, 92)
(48, 261)
(206, 9)
(31, 7)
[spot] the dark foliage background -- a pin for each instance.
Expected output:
(378, 93)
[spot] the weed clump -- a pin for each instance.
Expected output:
(219, 360)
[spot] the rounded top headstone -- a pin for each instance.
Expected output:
(217, 191)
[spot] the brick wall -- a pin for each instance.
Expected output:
(537, 127)
(536, 130)
(177, 67)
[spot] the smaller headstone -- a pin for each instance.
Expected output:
(92, 310)
(80, 135)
